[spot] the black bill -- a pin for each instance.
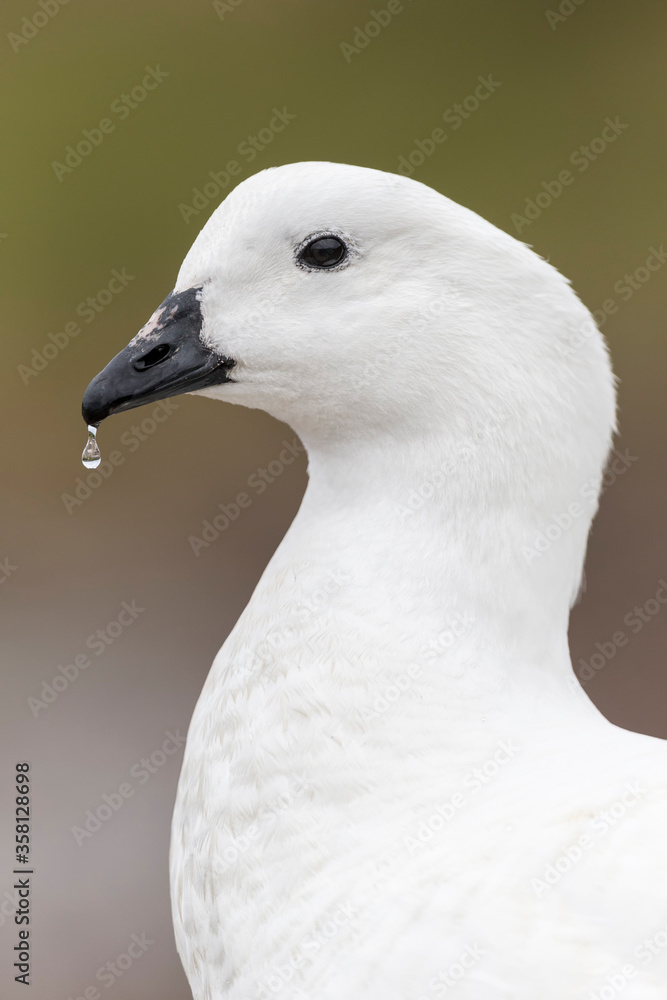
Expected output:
(166, 358)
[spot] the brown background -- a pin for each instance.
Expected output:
(129, 540)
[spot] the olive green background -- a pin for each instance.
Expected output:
(129, 539)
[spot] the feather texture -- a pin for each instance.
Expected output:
(393, 786)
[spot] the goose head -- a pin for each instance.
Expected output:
(368, 311)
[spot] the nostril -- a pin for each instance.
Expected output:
(154, 357)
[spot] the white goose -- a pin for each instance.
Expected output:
(393, 786)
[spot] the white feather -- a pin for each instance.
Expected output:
(391, 750)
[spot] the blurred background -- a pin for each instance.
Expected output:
(90, 243)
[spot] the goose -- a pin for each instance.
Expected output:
(394, 787)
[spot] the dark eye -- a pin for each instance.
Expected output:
(325, 251)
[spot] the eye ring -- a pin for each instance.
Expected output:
(322, 252)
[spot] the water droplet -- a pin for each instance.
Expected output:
(91, 456)
(483, 718)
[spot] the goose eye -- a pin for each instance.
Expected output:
(325, 251)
